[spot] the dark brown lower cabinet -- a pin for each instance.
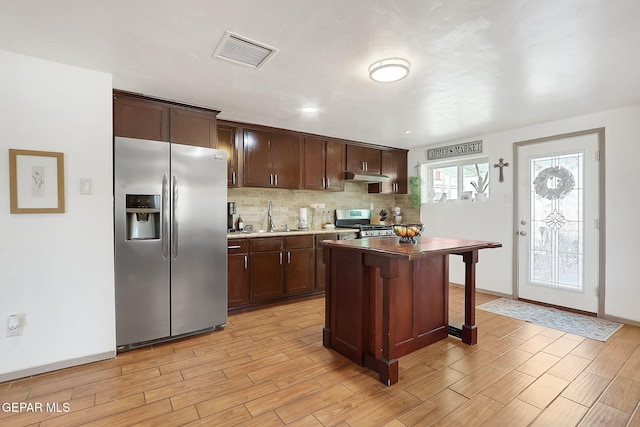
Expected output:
(266, 271)
(300, 266)
(238, 272)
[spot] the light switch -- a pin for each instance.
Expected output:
(86, 186)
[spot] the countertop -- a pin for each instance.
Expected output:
(292, 232)
(424, 246)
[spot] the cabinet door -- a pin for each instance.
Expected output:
(258, 154)
(190, 127)
(266, 275)
(371, 158)
(300, 271)
(314, 164)
(227, 142)
(133, 118)
(400, 166)
(335, 161)
(287, 160)
(355, 162)
(238, 279)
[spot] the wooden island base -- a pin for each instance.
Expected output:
(386, 299)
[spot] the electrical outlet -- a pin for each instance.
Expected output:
(15, 323)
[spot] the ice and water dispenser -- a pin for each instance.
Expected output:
(143, 216)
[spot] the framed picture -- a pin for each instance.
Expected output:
(36, 180)
(465, 195)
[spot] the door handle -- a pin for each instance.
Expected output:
(328, 183)
(174, 221)
(245, 262)
(271, 179)
(165, 218)
(276, 180)
(288, 257)
(280, 258)
(234, 247)
(324, 183)
(523, 233)
(233, 178)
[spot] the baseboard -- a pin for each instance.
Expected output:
(606, 316)
(622, 320)
(56, 366)
(483, 291)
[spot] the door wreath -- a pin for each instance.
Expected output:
(564, 182)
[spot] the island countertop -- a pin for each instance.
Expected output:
(424, 246)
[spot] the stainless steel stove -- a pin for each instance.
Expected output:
(360, 219)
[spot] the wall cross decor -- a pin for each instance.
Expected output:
(501, 164)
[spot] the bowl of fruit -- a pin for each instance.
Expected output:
(408, 232)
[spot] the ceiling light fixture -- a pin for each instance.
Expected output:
(310, 109)
(389, 70)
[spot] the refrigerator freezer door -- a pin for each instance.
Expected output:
(142, 275)
(199, 239)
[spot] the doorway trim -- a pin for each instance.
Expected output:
(600, 132)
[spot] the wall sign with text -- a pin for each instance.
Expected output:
(455, 150)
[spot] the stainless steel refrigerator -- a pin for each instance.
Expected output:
(170, 240)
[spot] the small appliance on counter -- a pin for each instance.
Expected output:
(231, 210)
(397, 215)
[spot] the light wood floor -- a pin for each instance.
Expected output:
(268, 368)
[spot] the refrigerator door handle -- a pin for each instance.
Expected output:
(165, 218)
(174, 221)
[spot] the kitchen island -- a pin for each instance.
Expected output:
(385, 299)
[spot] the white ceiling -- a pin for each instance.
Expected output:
(477, 66)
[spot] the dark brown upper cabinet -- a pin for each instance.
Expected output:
(272, 159)
(138, 116)
(135, 118)
(227, 141)
(363, 159)
(393, 165)
(324, 164)
(191, 127)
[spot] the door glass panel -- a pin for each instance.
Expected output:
(557, 221)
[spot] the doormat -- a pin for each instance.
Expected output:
(577, 324)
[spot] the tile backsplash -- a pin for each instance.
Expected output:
(252, 203)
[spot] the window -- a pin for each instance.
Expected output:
(459, 180)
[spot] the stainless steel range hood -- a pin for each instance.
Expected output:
(364, 177)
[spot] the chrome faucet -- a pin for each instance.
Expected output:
(270, 224)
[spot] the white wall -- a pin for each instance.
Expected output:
(57, 268)
(493, 219)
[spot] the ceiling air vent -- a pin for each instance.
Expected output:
(244, 51)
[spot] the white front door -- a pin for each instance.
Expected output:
(557, 221)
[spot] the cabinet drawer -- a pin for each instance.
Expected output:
(237, 246)
(263, 244)
(297, 242)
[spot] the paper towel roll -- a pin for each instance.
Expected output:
(303, 218)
